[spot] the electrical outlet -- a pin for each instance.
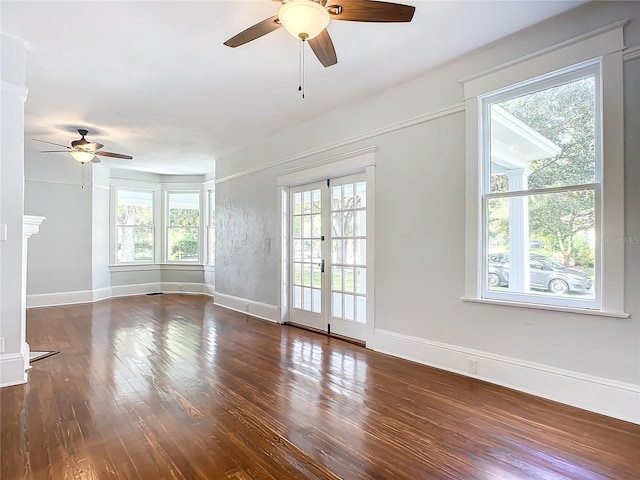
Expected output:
(472, 366)
(181, 287)
(1, 344)
(246, 307)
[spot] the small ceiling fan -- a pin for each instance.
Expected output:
(308, 21)
(84, 151)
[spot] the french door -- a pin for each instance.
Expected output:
(328, 256)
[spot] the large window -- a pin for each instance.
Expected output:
(541, 147)
(134, 226)
(545, 178)
(183, 226)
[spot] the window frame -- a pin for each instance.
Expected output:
(591, 68)
(167, 192)
(113, 209)
(603, 46)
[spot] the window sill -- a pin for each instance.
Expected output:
(156, 266)
(555, 308)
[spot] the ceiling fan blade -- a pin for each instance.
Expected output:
(253, 32)
(114, 155)
(88, 146)
(53, 151)
(322, 46)
(369, 11)
(51, 143)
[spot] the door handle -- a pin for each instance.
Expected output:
(322, 266)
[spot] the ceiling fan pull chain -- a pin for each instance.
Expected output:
(301, 68)
(83, 174)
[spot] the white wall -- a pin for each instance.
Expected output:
(14, 92)
(69, 260)
(588, 361)
(61, 255)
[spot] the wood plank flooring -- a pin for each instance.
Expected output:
(172, 387)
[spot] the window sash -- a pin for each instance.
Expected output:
(121, 227)
(183, 250)
(550, 80)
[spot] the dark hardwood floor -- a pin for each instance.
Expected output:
(172, 387)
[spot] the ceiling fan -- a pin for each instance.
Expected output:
(308, 20)
(84, 151)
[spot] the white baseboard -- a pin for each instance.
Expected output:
(250, 307)
(600, 395)
(12, 370)
(59, 298)
(89, 296)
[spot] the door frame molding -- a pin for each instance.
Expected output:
(357, 161)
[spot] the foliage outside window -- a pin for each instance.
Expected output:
(183, 226)
(540, 184)
(134, 218)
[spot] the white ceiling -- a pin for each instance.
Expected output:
(153, 79)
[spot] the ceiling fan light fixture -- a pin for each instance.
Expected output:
(303, 19)
(81, 156)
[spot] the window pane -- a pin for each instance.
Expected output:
(347, 196)
(306, 226)
(361, 195)
(297, 274)
(361, 310)
(336, 251)
(297, 297)
(135, 207)
(134, 226)
(336, 278)
(184, 209)
(317, 201)
(297, 227)
(361, 280)
(349, 307)
(306, 299)
(317, 301)
(542, 244)
(336, 197)
(183, 244)
(297, 203)
(361, 223)
(306, 274)
(316, 228)
(306, 202)
(336, 304)
(361, 252)
(544, 139)
(349, 280)
(336, 225)
(135, 244)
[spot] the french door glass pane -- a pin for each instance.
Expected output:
(307, 250)
(348, 250)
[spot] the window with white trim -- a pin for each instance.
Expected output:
(134, 226)
(183, 226)
(541, 155)
(545, 178)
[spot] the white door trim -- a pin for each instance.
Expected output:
(354, 162)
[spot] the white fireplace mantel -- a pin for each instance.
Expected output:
(30, 226)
